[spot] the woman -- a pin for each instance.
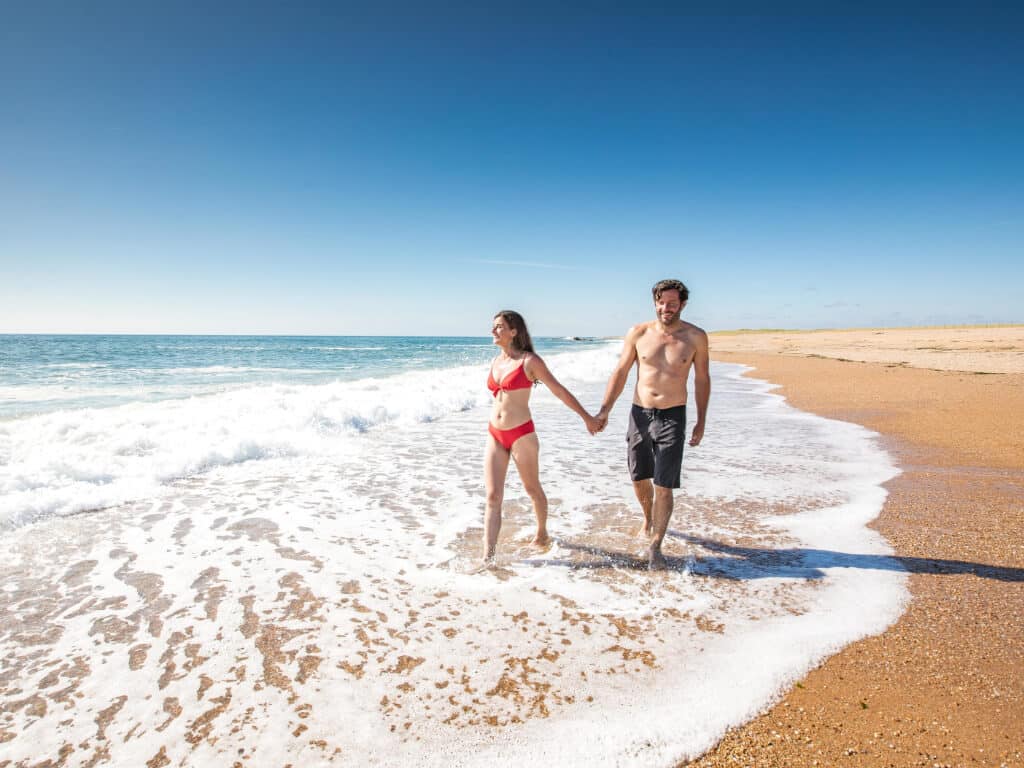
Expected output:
(512, 375)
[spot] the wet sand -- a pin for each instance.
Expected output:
(943, 686)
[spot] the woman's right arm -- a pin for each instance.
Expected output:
(540, 372)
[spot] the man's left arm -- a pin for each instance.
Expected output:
(702, 385)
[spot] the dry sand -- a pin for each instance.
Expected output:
(944, 686)
(981, 349)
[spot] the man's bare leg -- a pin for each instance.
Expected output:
(644, 490)
(662, 513)
(495, 469)
(526, 454)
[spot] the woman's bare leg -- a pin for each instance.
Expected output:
(526, 453)
(495, 469)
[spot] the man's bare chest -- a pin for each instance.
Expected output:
(665, 353)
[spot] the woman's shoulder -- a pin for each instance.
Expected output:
(532, 362)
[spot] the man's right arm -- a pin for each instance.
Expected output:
(617, 381)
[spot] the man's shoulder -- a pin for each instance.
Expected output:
(639, 329)
(693, 331)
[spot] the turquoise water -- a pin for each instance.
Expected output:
(42, 373)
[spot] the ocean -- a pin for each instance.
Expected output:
(259, 550)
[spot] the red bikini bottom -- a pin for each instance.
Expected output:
(508, 436)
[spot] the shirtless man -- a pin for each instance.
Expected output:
(663, 350)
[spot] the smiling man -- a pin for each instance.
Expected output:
(664, 350)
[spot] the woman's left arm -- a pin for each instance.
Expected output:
(538, 370)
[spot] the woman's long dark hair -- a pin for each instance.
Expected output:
(515, 321)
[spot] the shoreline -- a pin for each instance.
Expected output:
(942, 685)
(245, 601)
(247, 610)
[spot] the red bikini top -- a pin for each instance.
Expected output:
(514, 379)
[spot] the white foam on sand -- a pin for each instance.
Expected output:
(314, 606)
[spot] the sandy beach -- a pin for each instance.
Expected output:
(943, 686)
(354, 411)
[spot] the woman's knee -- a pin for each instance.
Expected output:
(494, 498)
(535, 491)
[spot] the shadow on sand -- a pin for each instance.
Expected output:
(744, 563)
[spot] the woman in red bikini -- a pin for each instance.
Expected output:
(513, 373)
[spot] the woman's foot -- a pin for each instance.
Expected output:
(541, 539)
(486, 564)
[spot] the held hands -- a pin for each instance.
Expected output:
(596, 423)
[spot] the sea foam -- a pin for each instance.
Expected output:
(293, 576)
(75, 460)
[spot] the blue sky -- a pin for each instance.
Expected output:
(411, 169)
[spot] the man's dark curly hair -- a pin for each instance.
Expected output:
(670, 285)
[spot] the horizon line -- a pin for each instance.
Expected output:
(579, 337)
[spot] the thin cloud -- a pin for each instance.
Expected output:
(510, 263)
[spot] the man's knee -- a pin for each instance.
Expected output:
(643, 487)
(662, 494)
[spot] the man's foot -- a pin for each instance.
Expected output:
(645, 531)
(541, 539)
(656, 561)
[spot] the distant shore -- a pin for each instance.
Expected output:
(975, 349)
(943, 685)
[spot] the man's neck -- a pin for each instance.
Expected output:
(672, 327)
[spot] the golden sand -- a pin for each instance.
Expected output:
(944, 685)
(982, 349)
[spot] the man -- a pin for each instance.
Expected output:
(664, 351)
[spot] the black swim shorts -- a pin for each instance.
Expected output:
(655, 441)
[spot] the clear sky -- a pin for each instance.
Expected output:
(328, 169)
